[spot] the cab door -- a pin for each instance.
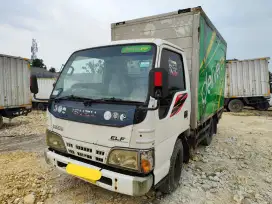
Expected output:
(173, 115)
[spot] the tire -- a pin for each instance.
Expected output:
(40, 106)
(235, 105)
(215, 126)
(171, 181)
(262, 106)
(212, 130)
(1, 121)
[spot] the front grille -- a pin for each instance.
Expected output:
(85, 149)
(84, 155)
(92, 152)
(71, 151)
(98, 159)
(100, 152)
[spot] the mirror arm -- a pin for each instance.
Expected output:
(40, 99)
(151, 109)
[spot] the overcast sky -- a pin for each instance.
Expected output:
(63, 26)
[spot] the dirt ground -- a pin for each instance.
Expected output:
(236, 168)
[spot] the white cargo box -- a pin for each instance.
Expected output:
(247, 78)
(14, 82)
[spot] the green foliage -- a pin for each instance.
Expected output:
(38, 63)
(52, 69)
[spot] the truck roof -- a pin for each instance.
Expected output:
(252, 59)
(16, 57)
(156, 41)
(170, 15)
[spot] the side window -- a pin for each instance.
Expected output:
(173, 62)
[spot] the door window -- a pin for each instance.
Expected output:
(173, 63)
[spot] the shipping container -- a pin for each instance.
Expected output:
(15, 96)
(247, 84)
(205, 48)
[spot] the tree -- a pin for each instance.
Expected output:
(38, 63)
(52, 69)
(94, 67)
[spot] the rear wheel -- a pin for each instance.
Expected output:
(235, 105)
(171, 181)
(212, 130)
(1, 121)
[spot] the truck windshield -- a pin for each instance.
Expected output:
(119, 72)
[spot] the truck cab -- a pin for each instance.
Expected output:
(119, 115)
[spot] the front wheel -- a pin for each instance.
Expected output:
(171, 181)
(40, 106)
(262, 106)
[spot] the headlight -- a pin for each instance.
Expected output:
(124, 158)
(142, 161)
(55, 141)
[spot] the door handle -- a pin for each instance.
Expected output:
(186, 114)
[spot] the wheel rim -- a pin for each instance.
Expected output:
(237, 106)
(177, 172)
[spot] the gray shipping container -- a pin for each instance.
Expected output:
(247, 78)
(14, 83)
(191, 30)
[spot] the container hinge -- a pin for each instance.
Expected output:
(120, 23)
(184, 10)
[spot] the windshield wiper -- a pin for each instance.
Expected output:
(89, 101)
(86, 101)
(68, 97)
(73, 98)
(113, 99)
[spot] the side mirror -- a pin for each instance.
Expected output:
(158, 83)
(54, 84)
(34, 84)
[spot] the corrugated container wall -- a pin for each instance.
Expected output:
(45, 88)
(14, 82)
(247, 78)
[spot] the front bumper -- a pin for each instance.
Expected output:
(121, 183)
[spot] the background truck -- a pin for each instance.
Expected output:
(126, 115)
(45, 89)
(15, 96)
(247, 84)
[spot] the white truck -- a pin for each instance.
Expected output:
(45, 89)
(15, 95)
(247, 84)
(126, 115)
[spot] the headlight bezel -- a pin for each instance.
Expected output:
(139, 153)
(53, 135)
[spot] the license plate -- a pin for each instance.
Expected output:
(92, 175)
